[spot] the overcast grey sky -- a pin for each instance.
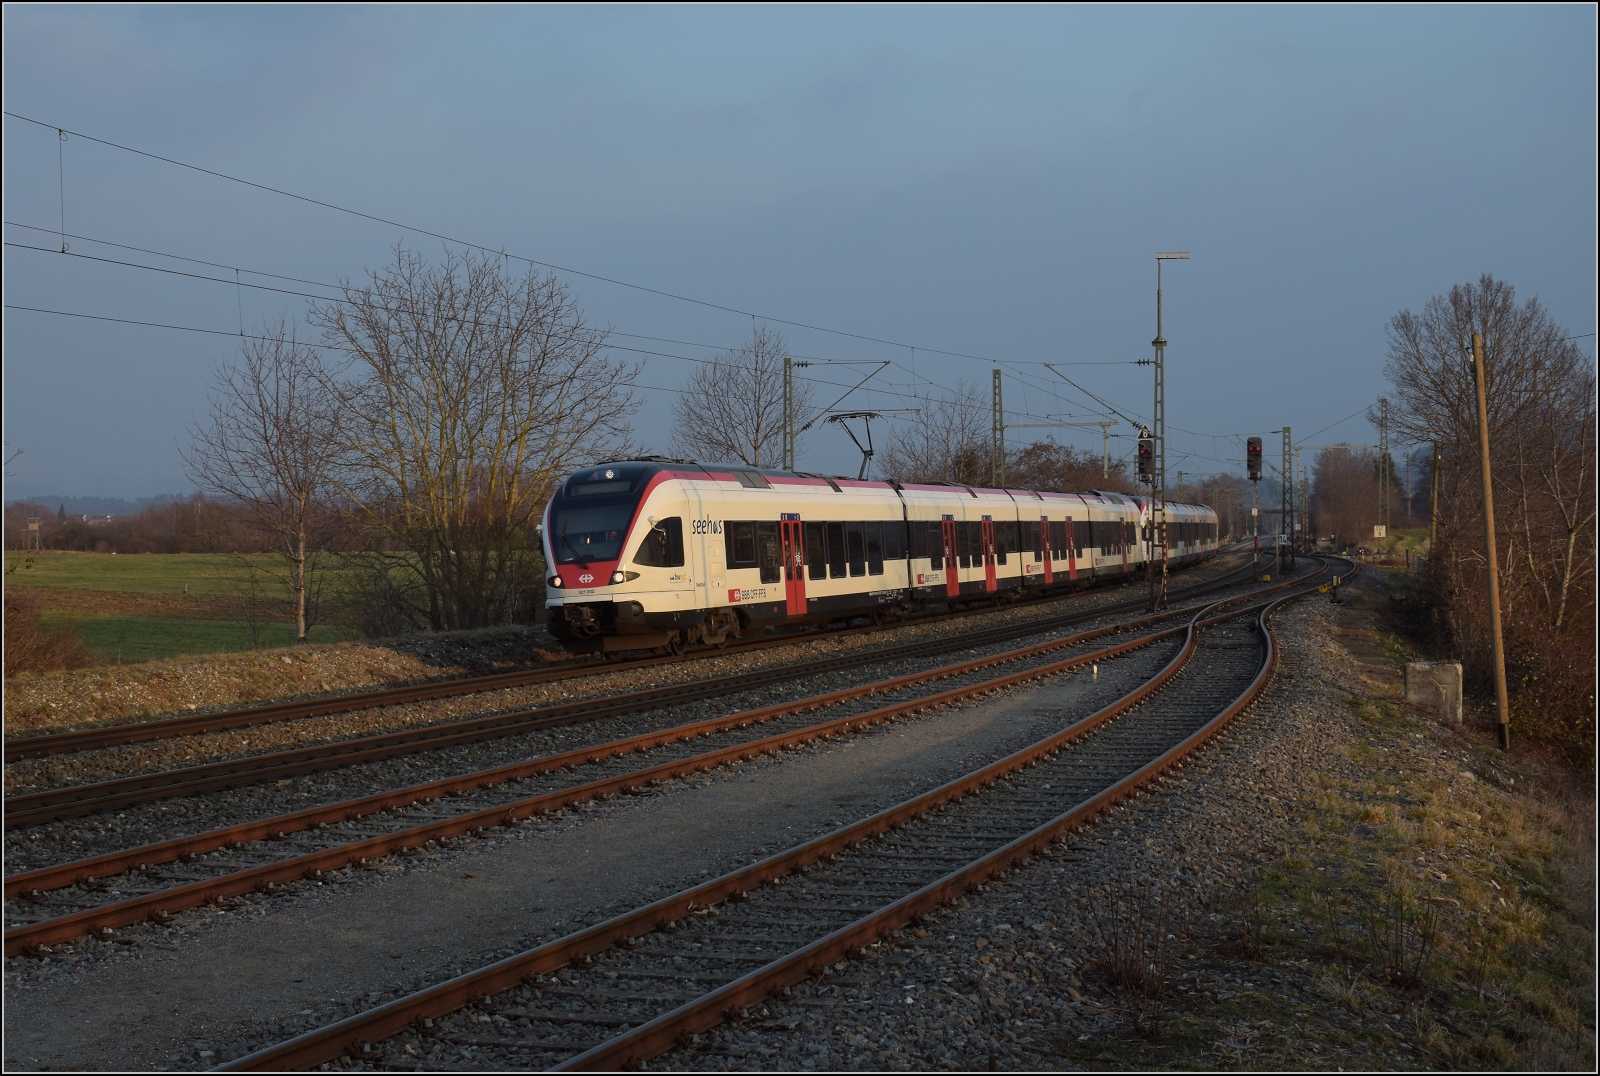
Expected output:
(990, 181)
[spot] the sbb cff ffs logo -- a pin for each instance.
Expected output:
(1252, 451)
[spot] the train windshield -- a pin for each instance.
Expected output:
(579, 535)
(591, 511)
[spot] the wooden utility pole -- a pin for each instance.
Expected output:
(1490, 553)
(1433, 508)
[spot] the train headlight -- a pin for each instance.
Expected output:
(555, 581)
(617, 577)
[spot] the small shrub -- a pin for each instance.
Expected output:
(1401, 933)
(1135, 935)
(31, 647)
(1333, 908)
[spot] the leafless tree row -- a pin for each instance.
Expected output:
(430, 425)
(951, 439)
(1541, 405)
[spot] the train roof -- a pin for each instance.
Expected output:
(757, 477)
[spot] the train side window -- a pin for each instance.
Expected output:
(963, 545)
(856, 543)
(874, 548)
(836, 551)
(741, 542)
(663, 545)
(816, 551)
(1058, 540)
(935, 541)
(768, 553)
(1002, 544)
(894, 539)
(1036, 533)
(917, 531)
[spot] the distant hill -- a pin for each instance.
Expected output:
(97, 506)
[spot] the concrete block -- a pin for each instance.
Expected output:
(1435, 684)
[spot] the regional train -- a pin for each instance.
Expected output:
(662, 554)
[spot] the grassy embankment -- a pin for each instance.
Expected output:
(139, 607)
(1438, 910)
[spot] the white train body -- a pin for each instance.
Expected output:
(653, 552)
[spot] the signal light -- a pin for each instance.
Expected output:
(1147, 457)
(1253, 457)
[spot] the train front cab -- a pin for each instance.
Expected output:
(617, 545)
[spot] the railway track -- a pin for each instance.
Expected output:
(35, 808)
(268, 852)
(40, 746)
(629, 988)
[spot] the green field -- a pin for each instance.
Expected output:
(209, 574)
(133, 606)
(147, 638)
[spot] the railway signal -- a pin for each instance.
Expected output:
(1147, 458)
(1252, 455)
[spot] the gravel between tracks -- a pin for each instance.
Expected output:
(196, 964)
(315, 953)
(144, 823)
(83, 767)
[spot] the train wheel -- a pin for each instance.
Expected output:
(674, 643)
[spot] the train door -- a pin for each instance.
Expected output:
(794, 574)
(986, 530)
(952, 571)
(1044, 544)
(1072, 552)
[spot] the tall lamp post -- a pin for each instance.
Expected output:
(1158, 480)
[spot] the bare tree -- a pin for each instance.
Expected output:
(1540, 391)
(271, 437)
(732, 408)
(469, 392)
(949, 441)
(1051, 466)
(1344, 493)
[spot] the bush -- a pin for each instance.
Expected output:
(1552, 687)
(31, 647)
